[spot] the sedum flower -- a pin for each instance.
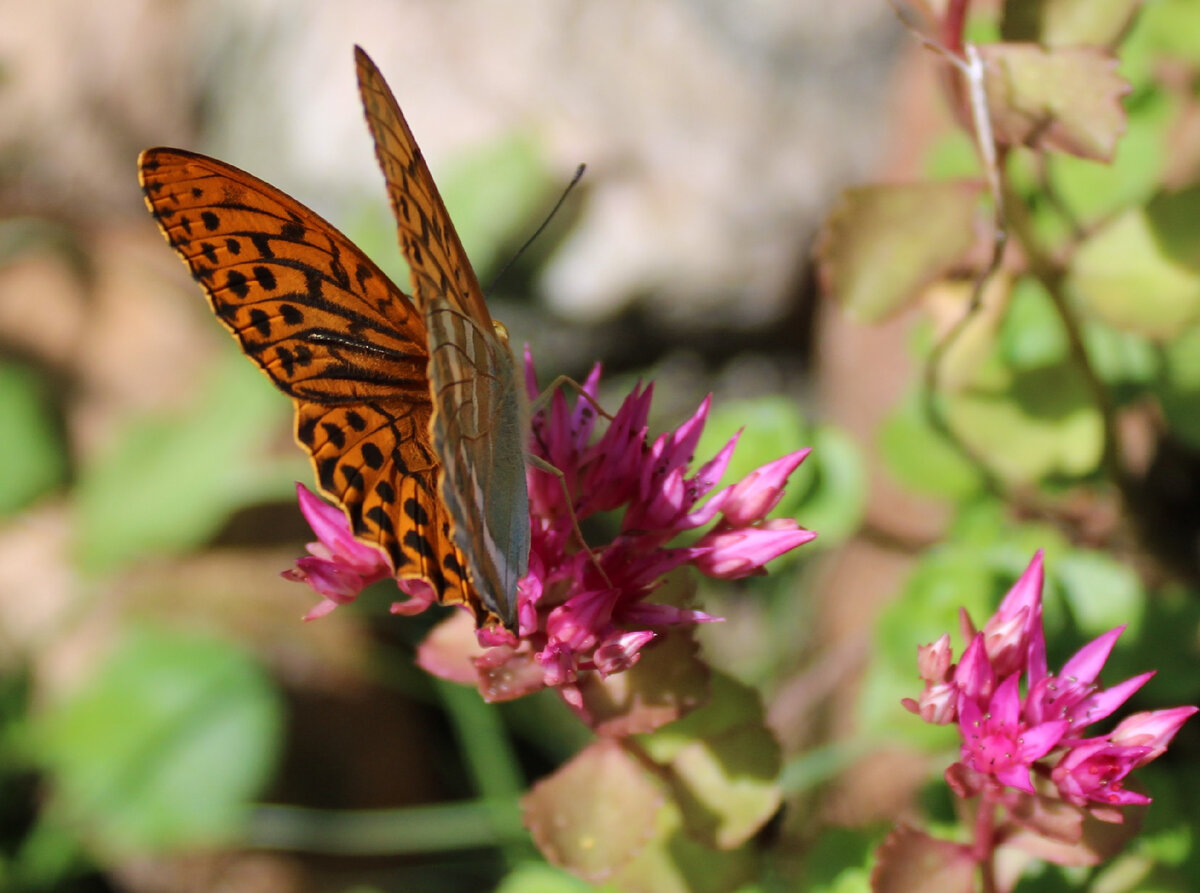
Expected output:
(999, 743)
(1008, 738)
(1094, 771)
(338, 567)
(1152, 730)
(590, 610)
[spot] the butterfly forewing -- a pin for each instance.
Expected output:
(333, 332)
(440, 267)
(479, 428)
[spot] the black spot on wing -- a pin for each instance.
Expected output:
(261, 321)
(237, 283)
(288, 362)
(265, 277)
(306, 431)
(334, 434)
(416, 512)
(372, 456)
(379, 517)
(354, 478)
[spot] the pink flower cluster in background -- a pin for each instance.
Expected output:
(1010, 739)
(589, 610)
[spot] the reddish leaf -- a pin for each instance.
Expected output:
(882, 244)
(1066, 99)
(910, 861)
(1067, 835)
(595, 813)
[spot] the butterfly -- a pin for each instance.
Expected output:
(411, 409)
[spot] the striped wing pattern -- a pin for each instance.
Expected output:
(333, 333)
(478, 424)
(479, 434)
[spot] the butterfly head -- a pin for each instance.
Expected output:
(501, 331)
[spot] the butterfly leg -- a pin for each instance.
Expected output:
(542, 465)
(565, 381)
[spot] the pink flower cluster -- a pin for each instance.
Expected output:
(582, 610)
(1008, 739)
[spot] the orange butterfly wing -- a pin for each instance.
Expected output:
(440, 268)
(333, 333)
(479, 424)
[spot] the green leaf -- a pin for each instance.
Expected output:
(168, 484)
(1066, 99)
(165, 744)
(837, 861)
(1032, 334)
(1123, 360)
(1141, 271)
(1101, 592)
(724, 764)
(834, 504)
(953, 155)
(536, 877)
(1042, 423)
(727, 785)
(31, 451)
(1165, 30)
(673, 862)
(920, 458)
(874, 260)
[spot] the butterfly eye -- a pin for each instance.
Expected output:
(501, 330)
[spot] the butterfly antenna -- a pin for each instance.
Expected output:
(558, 204)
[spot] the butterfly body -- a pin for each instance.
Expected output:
(410, 409)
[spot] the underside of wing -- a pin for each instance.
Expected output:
(331, 331)
(303, 301)
(439, 264)
(478, 430)
(376, 459)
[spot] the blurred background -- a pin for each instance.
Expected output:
(167, 723)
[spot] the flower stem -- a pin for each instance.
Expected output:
(984, 847)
